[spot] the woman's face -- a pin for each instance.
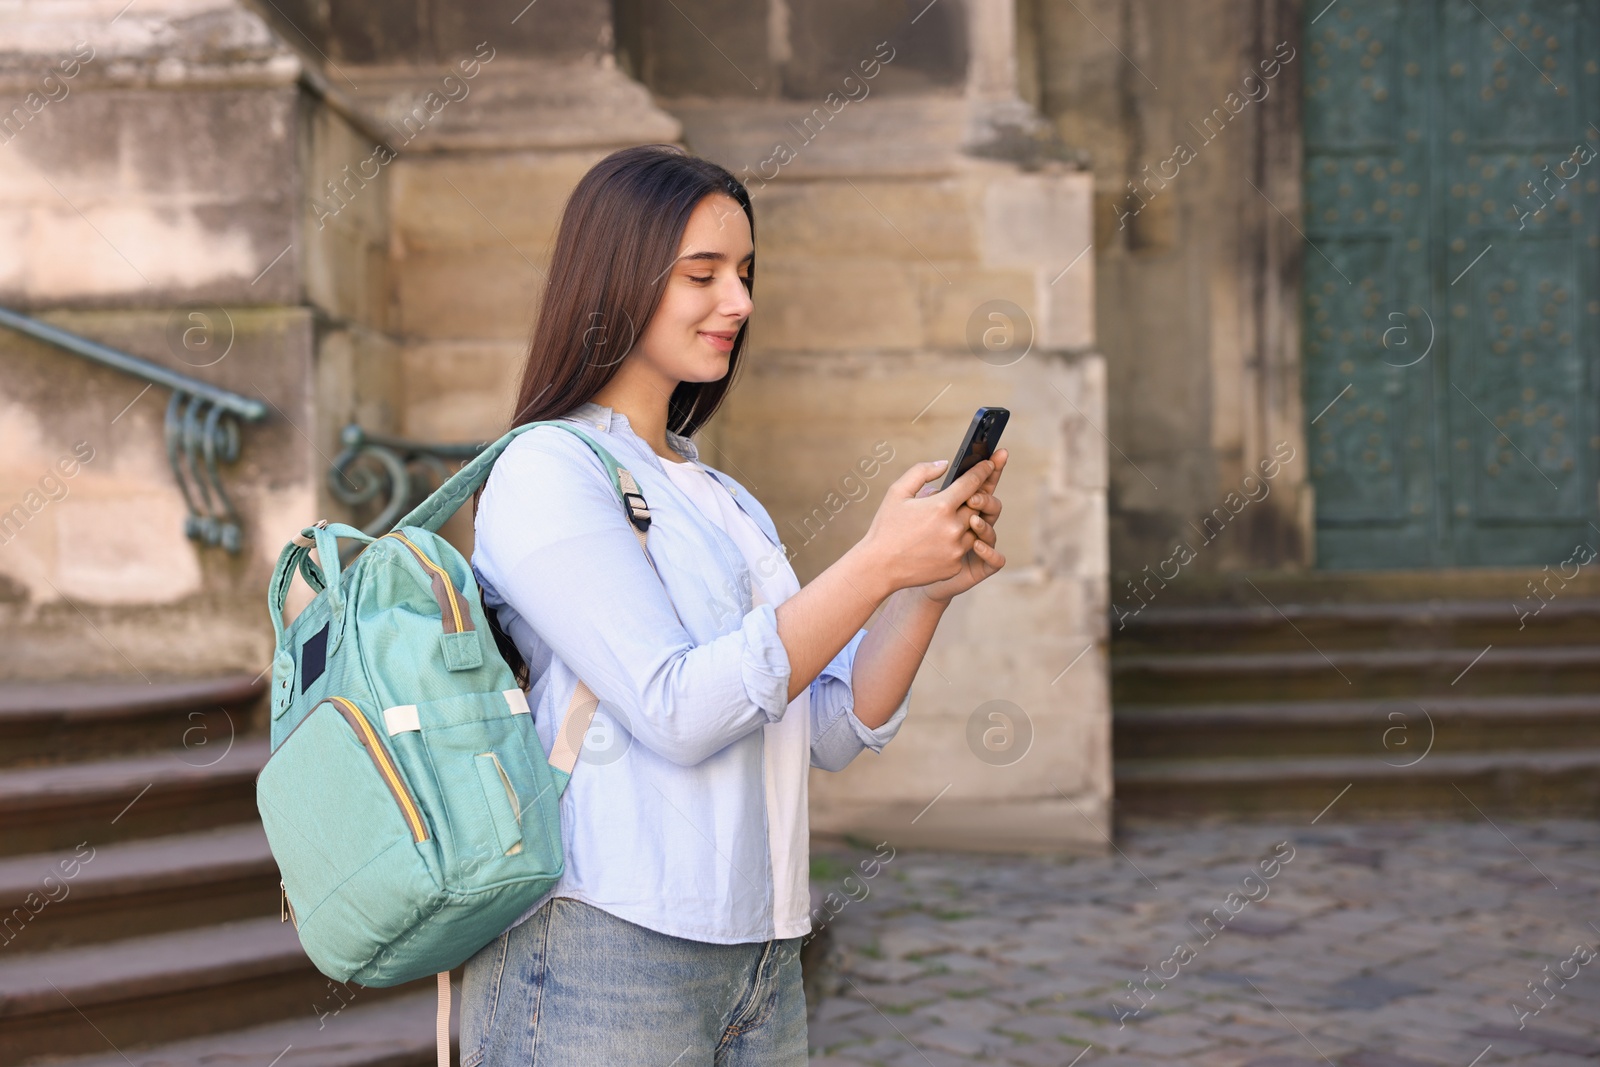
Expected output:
(705, 302)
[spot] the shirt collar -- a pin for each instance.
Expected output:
(608, 419)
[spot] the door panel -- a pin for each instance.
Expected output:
(1366, 273)
(1454, 322)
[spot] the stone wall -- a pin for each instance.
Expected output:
(154, 201)
(1195, 154)
(138, 197)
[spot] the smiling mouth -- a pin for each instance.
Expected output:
(720, 343)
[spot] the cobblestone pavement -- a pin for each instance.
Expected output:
(1356, 945)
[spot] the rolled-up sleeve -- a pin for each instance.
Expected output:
(552, 537)
(837, 736)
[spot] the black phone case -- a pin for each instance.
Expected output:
(975, 449)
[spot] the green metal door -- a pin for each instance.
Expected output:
(1451, 304)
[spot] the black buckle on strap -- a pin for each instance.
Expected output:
(638, 510)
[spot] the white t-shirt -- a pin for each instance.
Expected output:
(787, 742)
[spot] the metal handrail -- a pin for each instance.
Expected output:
(243, 406)
(201, 428)
(397, 469)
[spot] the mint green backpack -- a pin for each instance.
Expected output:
(408, 801)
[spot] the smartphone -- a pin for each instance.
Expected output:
(983, 437)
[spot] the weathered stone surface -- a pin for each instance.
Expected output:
(103, 574)
(508, 104)
(453, 202)
(481, 294)
(135, 197)
(460, 391)
(866, 306)
(867, 219)
(155, 42)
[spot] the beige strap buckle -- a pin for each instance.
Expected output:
(309, 542)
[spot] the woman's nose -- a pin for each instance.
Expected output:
(736, 300)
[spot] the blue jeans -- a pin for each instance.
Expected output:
(574, 986)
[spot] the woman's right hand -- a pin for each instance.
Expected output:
(917, 540)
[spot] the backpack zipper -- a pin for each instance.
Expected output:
(380, 757)
(439, 574)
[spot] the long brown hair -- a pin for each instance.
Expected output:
(618, 239)
(617, 242)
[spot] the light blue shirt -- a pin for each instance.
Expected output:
(664, 822)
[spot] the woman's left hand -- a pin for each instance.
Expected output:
(982, 510)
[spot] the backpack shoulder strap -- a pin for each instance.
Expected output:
(448, 498)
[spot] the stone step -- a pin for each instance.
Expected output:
(1447, 784)
(1250, 589)
(60, 722)
(163, 987)
(99, 893)
(57, 807)
(1396, 731)
(1294, 627)
(1351, 674)
(396, 1031)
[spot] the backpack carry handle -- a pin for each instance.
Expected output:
(324, 536)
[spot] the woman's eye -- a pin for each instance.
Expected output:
(702, 281)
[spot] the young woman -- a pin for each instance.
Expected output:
(673, 936)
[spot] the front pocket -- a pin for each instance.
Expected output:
(469, 758)
(347, 834)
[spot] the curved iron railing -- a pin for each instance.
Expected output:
(397, 470)
(202, 428)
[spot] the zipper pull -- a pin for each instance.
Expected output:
(286, 909)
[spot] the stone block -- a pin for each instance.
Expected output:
(850, 306)
(163, 42)
(149, 198)
(510, 104)
(121, 547)
(358, 168)
(827, 41)
(1037, 220)
(1065, 299)
(918, 221)
(564, 29)
(497, 200)
(1044, 222)
(1004, 826)
(974, 311)
(487, 293)
(877, 136)
(460, 391)
(347, 275)
(705, 48)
